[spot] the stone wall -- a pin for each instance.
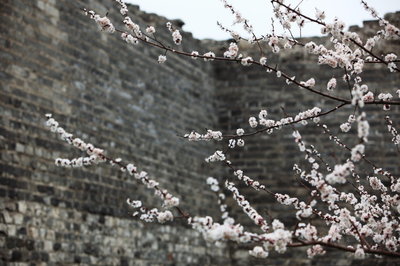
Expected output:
(54, 60)
(243, 92)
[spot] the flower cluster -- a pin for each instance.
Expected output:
(123, 7)
(217, 156)
(77, 162)
(245, 205)
(390, 31)
(104, 23)
(209, 56)
(345, 127)
(239, 19)
(177, 37)
(233, 142)
(258, 252)
(248, 181)
(131, 26)
(213, 183)
(129, 38)
(306, 232)
(279, 239)
(363, 127)
(370, 218)
(393, 131)
(210, 135)
(216, 232)
(311, 113)
(340, 173)
(232, 51)
(385, 97)
(271, 124)
(309, 83)
(151, 215)
(357, 152)
(304, 210)
(247, 61)
(315, 250)
(97, 155)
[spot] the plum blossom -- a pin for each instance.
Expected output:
(315, 250)
(369, 97)
(253, 122)
(150, 30)
(309, 83)
(240, 131)
(247, 61)
(363, 127)
(162, 59)
(258, 252)
(385, 97)
(263, 60)
(177, 37)
(240, 142)
(345, 127)
(359, 253)
(245, 205)
(209, 56)
(319, 14)
(195, 55)
(357, 152)
(104, 23)
(232, 50)
(331, 84)
(217, 156)
(347, 214)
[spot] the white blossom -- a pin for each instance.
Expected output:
(315, 250)
(165, 216)
(217, 156)
(150, 30)
(331, 84)
(359, 253)
(162, 59)
(232, 51)
(357, 152)
(131, 169)
(195, 54)
(258, 252)
(253, 122)
(263, 60)
(240, 142)
(247, 61)
(345, 127)
(240, 131)
(340, 173)
(104, 23)
(177, 37)
(319, 14)
(209, 56)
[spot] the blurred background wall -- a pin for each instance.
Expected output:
(54, 60)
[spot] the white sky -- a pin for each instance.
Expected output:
(200, 16)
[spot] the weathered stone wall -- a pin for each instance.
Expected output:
(54, 60)
(243, 92)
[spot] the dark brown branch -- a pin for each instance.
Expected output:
(293, 122)
(345, 248)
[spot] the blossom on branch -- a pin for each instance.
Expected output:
(362, 220)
